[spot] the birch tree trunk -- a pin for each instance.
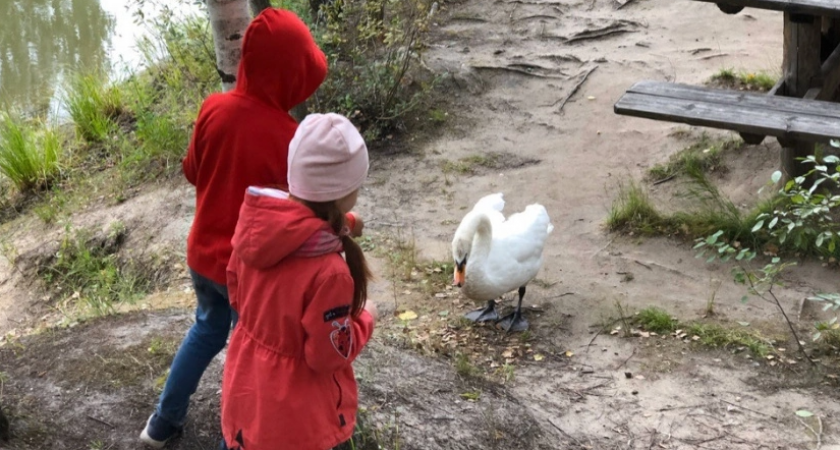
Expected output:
(258, 5)
(229, 19)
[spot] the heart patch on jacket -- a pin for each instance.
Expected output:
(342, 339)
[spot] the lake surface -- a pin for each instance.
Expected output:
(42, 41)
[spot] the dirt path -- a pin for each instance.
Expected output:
(508, 66)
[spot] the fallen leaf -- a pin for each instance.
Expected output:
(408, 315)
(507, 353)
(744, 324)
(804, 413)
(770, 356)
(569, 353)
(538, 357)
(443, 313)
(695, 338)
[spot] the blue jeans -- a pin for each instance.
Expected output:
(214, 319)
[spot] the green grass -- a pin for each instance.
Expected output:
(718, 336)
(30, 157)
(753, 81)
(94, 106)
(469, 164)
(464, 367)
(87, 270)
(633, 210)
(656, 320)
(701, 157)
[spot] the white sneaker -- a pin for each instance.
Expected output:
(149, 440)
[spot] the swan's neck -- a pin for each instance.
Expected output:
(482, 238)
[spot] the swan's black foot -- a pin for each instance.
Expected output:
(486, 314)
(513, 322)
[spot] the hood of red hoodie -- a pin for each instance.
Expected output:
(281, 65)
(270, 229)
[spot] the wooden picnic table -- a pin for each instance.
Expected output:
(799, 114)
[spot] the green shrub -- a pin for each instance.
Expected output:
(373, 48)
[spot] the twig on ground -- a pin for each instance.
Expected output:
(643, 264)
(615, 28)
(598, 333)
(666, 179)
(716, 55)
(748, 409)
(537, 16)
(817, 435)
(625, 361)
(563, 432)
(519, 71)
(575, 88)
(100, 421)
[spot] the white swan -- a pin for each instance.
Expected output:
(494, 256)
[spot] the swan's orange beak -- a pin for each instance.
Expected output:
(459, 277)
(460, 273)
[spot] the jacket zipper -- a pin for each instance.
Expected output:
(340, 395)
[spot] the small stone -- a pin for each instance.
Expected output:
(628, 375)
(635, 392)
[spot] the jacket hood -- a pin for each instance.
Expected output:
(281, 65)
(271, 227)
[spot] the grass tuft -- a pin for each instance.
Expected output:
(93, 106)
(29, 157)
(86, 269)
(751, 81)
(633, 210)
(701, 157)
(656, 320)
(717, 336)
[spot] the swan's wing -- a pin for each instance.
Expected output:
(495, 202)
(522, 237)
(492, 206)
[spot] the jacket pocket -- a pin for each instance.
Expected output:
(340, 391)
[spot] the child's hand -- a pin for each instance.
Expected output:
(359, 225)
(371, 308)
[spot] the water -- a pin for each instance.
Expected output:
(42, 41)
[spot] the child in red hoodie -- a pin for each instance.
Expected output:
(241, 138)
(303, 316)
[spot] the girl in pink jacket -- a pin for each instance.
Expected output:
(303, 316)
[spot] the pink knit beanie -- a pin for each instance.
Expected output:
(328, 158)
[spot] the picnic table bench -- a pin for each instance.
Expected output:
(799, 111)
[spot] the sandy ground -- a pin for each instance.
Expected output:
(571, 161)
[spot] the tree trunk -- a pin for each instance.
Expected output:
(229, 19)
(258, 5)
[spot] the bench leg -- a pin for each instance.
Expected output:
(792, 152)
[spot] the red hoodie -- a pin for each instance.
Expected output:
(242, 137)
(288, 380)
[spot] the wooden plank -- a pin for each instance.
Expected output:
(750, 100)
(829, 8)
(729, 117)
